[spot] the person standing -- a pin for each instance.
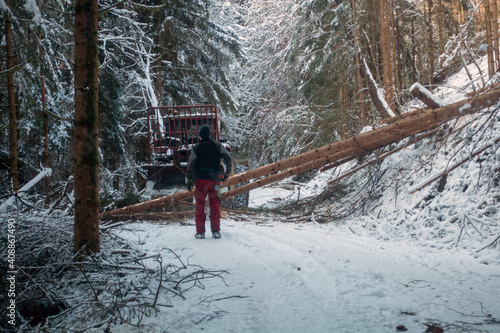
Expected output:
(204, 170)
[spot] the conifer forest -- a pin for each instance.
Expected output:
(393, 103)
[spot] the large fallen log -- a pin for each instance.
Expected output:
(359, 144)
(398, 130)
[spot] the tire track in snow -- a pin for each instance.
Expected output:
(378, 278)
(308, 290)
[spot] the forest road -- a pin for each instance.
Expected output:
(287, 277)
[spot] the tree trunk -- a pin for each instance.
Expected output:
(45, 125)
(358, 66)
(11, 99)
(489, 39)
(385, 40)
(413, 51)
(86, 132)
(418, 91)
(159, 64)
(442, 40)
(431, 44)
(383, 43)
(494, 20)
(45, 115)
(400, 54)
(391, 89)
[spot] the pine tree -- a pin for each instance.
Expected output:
(11, 98)
(86, 133)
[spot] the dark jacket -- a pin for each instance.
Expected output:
(204, 161)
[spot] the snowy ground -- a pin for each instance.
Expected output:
(319, 278)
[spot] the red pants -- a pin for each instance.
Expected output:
(204, 187)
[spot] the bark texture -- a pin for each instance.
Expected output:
(11, 99)
(86, 133)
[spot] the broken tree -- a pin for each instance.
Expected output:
(399, 128)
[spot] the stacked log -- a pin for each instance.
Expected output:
(400, 128)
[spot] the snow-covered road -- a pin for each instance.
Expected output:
(319, 278)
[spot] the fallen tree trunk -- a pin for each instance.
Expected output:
(395, 131)
(359, 144)
(382, 157)
(318, 163)
(315, 164)
(142, 206)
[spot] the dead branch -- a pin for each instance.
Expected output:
(211, 299)
(96, 298)
(453, 167)
(424, 95)
(490, 244)
(64, 195)
(159, 259)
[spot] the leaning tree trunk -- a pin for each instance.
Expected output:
(11, 98)
(86, 132)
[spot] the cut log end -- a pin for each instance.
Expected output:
(420, 92)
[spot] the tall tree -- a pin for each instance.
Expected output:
(86, 131)
(489, 37)
(358, 65)
(385, 39)
(494, 20)
(430, 36)
(11, 98)
(45, 116)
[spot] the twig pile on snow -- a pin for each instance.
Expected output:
(120, 285)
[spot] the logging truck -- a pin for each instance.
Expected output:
(172, 132)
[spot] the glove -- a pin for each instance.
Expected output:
(189, 185)
(223, 177)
